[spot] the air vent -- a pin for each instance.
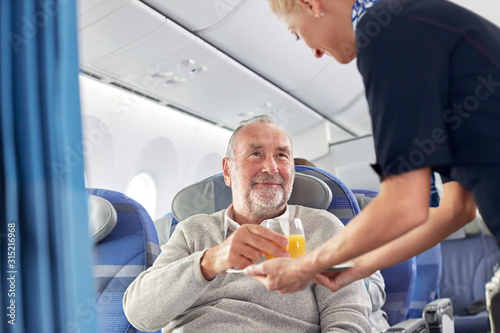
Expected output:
(121, 86)
(92, 75)
(191, 114)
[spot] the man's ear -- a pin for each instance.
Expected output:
(312, 6)
(226, 169)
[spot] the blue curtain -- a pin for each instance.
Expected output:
(46, 273)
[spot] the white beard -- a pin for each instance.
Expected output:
(265, 201)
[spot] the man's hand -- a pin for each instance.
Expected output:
(246, 245)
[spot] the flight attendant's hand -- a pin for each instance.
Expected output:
(282, 274)
(338, 280)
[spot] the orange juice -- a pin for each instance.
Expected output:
(269, 257)
(296, 245)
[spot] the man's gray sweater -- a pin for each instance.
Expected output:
(173, 294)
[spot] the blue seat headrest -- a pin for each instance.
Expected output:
(102, 218)
(212, 195)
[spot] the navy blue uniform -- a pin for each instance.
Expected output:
(432, 75)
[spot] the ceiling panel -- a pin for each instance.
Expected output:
(356, 117)
(333, 90)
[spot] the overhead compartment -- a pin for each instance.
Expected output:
(333, 89)
(195, 15)
(110, 26)
(271, 51)
(253, 35)
(356, 116)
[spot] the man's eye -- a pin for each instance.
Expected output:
(255, 154)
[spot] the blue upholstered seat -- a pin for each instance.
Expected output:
(399, 279)
(468, 264)
(428, 266)
(130, 248)
(343, 204)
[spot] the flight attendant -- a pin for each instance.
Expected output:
(431, 71)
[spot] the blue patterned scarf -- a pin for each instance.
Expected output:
(359, 9)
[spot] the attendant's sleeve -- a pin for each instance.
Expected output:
(167, 288)
(405, 68)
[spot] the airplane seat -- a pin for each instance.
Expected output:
(429, 271)
(364, 197)
(428, 267)
(468, 264)
(399, 288)
(165, 226)
(399, 279)
(343, 204)
(212, 195)
(126, 244)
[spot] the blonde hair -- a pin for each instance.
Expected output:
(280, 7)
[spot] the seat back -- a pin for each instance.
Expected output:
(120, 256)
(400, 280)
(428, 263)
(429, 267)
(343, 203)
(399, 288)
(211, 195)
(468, 264)
(165, 226)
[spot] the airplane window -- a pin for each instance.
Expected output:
(142, 188)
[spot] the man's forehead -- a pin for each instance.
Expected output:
(260, 146)
(261, 135)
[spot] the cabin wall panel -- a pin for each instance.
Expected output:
(175, 149)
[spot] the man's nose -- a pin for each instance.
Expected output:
(270, 166)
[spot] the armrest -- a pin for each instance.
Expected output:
(439, 316)
(417, 325)
(493, 301)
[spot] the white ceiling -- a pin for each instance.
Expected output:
(224, 60)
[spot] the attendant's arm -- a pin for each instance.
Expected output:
(401, 205)
(456, 209)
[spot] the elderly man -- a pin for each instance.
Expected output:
(187, 289)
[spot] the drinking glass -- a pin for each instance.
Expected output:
(294, 231)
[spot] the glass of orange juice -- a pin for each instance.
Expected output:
(294, 231)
